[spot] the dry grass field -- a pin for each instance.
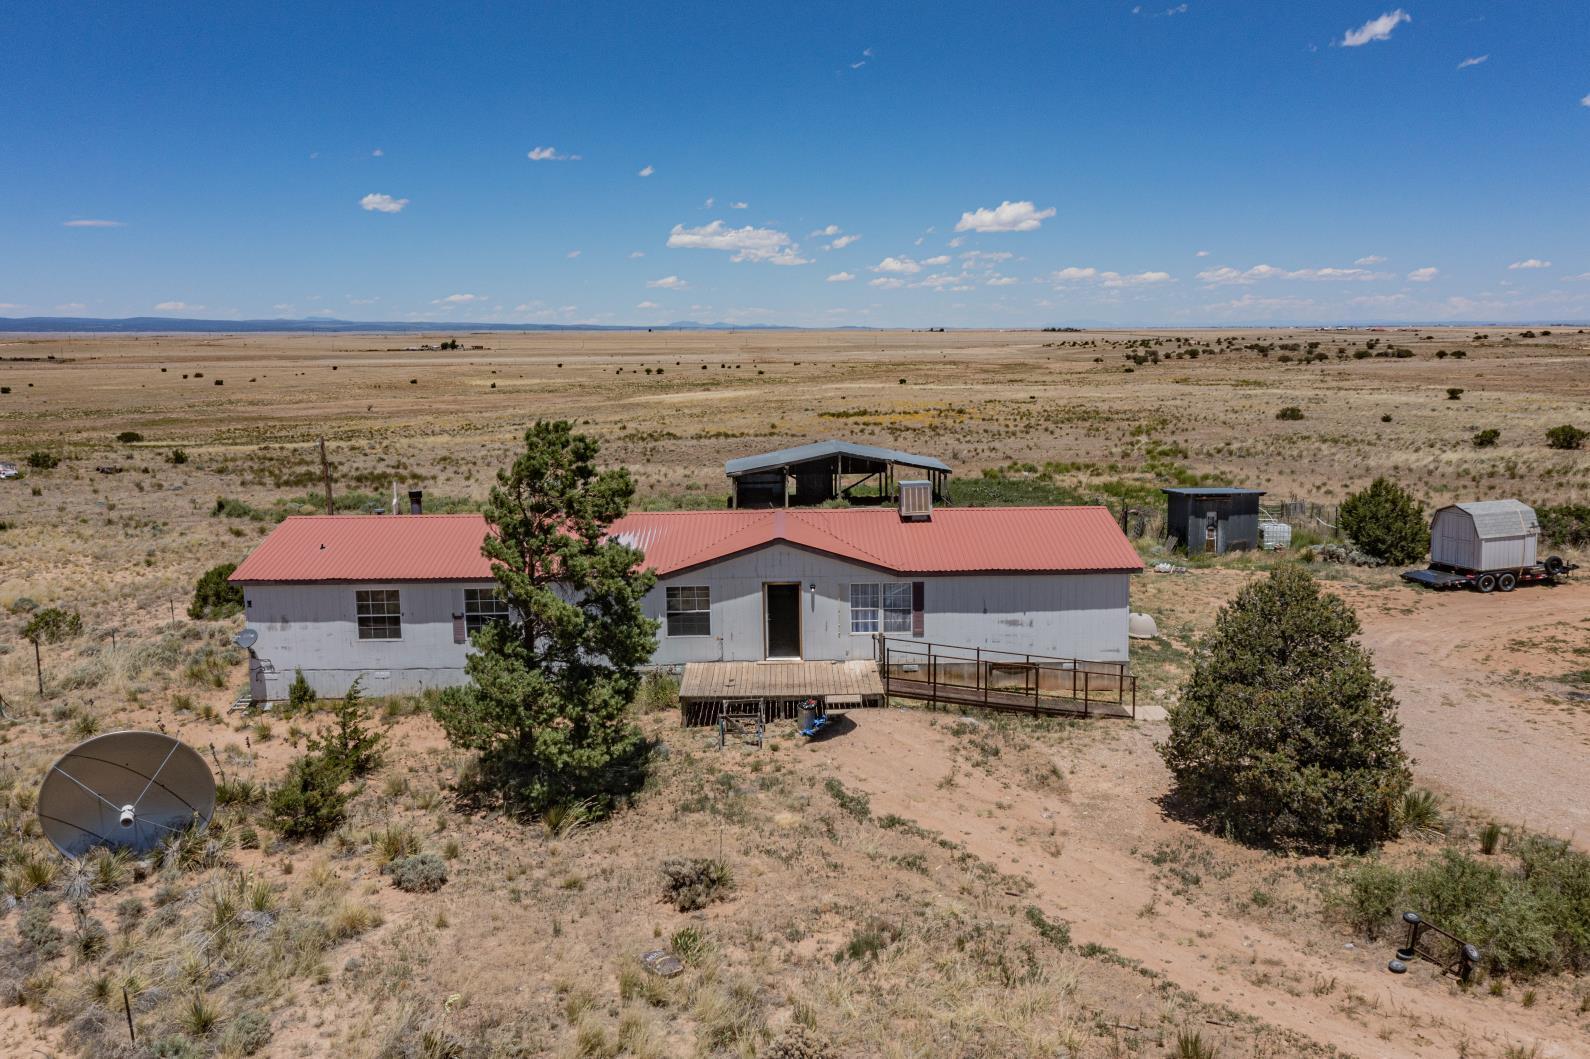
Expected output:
(917, 885)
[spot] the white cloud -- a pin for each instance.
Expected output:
(1472, 60)
(648, 305)
(886, 283)
(177, 307)
(942, 259)
(1379, 301)
(459, 299)
(985, 258)
(897, 264)
(69, 307)
(633, 254)
(1376, 28)
(831, 230)
(747, 244)
(1529, 263)
(377, 153)
(1006, 217)
(646, 171)
(1001, 281)
(1076, 274)
(1369, 259)
(90, 222)
(1201, 253)
(1135, 279)
(709, 202)
(1423, 275)
(551, 154)
(572, 254)
(841, 277)
(843, 241)
(739, 205)
(383, 203)
(1585, 102)
(1580, 276)
(667, 283)
(8, 306)
(1226, 274)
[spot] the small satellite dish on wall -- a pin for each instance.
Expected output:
(246, 638)
(125, 790)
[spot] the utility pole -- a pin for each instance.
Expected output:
(325, 474)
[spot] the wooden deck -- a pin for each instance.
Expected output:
(780, 680)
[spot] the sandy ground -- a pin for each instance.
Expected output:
(1481, 716)
(1095, 880)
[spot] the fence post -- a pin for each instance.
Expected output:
(1085, 674)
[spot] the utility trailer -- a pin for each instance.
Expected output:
(1554, 569)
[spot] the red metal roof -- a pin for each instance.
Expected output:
(955, 541)
(370, 548)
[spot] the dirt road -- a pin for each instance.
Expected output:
(1084, 852)
(1481, 711)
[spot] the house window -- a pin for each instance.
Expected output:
(380, 616)
(881, 607)
(689, 611)
(482, 606)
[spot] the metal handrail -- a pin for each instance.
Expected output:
(986, 663)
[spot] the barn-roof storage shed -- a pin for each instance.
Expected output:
(1484, 535)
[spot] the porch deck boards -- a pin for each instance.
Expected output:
(712, 681)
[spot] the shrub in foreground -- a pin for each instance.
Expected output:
(1284, 735)
(1385, 521)
(1529, 917)
(310, 802)
(420, 873)
(695, 882)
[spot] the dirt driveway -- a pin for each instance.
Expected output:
(1086, 852)
(1485, 710)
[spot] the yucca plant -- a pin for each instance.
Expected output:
(1190, 1044)
(1491, 838)
(393, 842)
(1421, 812)
(198, 1016)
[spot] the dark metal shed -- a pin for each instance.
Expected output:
(813, 474)
(1213, 520)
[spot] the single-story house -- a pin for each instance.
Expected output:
(394, 598)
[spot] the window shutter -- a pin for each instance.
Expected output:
(460, 632)
(918, 597)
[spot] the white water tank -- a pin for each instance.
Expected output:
(1142, 627)
(1275, 535)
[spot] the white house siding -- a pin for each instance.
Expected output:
(1063, 615)
(314, 627)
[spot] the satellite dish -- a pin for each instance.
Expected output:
(125, 790)
(246, 638)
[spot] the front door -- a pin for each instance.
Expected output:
(782, 604)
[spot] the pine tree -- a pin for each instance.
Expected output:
(1385, 521)
(348, 744)
(547, 706)
(1283, 734)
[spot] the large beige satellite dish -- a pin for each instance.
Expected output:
(125, 790)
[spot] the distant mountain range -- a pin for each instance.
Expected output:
(167, 324)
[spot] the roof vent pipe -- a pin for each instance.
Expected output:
(416, 501)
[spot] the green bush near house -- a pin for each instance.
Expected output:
(214, 597)
(1284, 736)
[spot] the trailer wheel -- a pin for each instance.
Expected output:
(1485, 582)
(1507, 582)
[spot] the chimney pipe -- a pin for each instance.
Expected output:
(416, 501)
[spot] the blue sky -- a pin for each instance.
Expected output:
(901, 164)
